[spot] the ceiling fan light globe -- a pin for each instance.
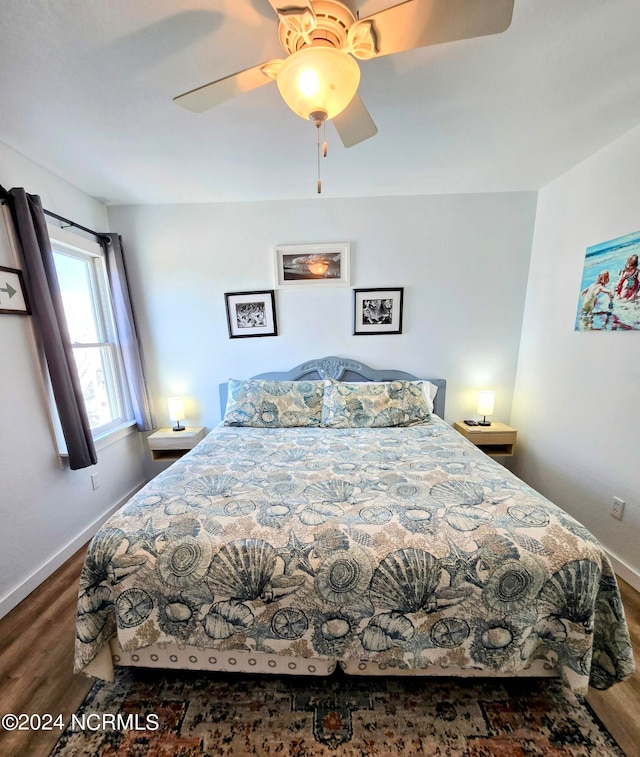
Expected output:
(318, 79)
(308, 83)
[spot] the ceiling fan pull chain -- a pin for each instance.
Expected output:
(319, 179)
(320, 119)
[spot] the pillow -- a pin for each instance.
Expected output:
(374, 404)
(430, 390)
(273, 404)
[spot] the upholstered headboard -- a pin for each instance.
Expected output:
(344, 369)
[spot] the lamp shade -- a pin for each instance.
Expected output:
(318, 80)
(486, 402)
(176, 408)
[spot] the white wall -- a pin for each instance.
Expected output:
(463, 260)
(47, 512)
(576, 402)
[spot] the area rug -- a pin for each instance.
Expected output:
(151, 713)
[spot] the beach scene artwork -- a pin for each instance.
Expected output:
(609, 297)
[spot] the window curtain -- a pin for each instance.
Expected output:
(127, 333)
(41, 282)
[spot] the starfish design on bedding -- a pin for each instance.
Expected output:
(145, 537)
(461, 566)
(295, 554)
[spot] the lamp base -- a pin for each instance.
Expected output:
(484, 422)
(178, 427)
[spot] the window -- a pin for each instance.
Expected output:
(85, 293)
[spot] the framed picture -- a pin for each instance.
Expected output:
(251, 314)
(13, 296)
(317, 264)
(609, 298)
(377, 311)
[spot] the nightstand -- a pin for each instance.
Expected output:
(496, 440)
(167, 445)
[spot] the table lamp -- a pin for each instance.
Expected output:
(176, 412)
(485, 406)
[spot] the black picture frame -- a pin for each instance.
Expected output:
(377, 311)
(251, 314)
(12, 286)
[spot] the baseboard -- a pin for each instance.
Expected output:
(15, 596)
(625, 572)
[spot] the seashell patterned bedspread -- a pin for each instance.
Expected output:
(406, 546)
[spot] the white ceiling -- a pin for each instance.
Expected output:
(86, 90)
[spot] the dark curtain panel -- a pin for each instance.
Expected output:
(127, 332)
(41, 282)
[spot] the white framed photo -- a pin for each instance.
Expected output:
(312, 264)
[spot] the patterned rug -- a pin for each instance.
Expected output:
(148, 713)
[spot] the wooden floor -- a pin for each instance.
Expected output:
(36, 663)
(619, 706)
(36, 660)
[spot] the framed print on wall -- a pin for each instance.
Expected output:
(13, 296)
(377, 311)
(317, 264)
(251, 314)
(609, 297)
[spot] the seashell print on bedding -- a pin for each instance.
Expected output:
(133, 607)
(217, 627)
(242, 569)
(317, 513)
(104, 546)
(458, 492)
(177, 616)
(406, 580)
(212, 486)
(466, 518)
(344, 575)
(401, 546)
(569, 593)
(289, 623)
(514, 585)
(274, 404)
(336, 490)
(124, 565)
(184, 562)
(91, 624)
(234, 612)
(387, 630)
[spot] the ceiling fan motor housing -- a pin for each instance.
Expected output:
(332, 22)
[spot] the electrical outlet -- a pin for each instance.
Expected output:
(618, 508)
(95, 483)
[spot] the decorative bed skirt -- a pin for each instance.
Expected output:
(186, 657)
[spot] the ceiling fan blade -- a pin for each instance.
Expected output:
(418, 23)
(354, 124)
(289, 5)
(216, 92)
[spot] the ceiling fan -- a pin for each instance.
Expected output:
(319, 78)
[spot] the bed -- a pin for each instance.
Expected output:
(334, 518)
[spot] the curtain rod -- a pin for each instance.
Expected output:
(74, 224)
(5, 197)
